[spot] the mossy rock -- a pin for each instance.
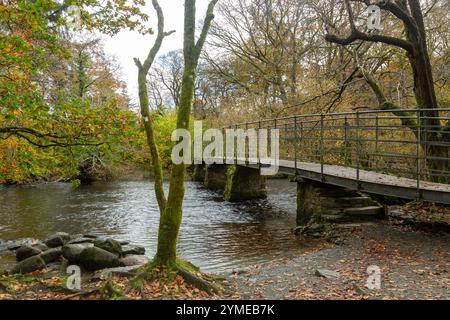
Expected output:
(109, 245)
(95, 258)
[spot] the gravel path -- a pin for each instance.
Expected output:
(414, 265)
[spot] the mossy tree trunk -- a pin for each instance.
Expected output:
(171, 208)
(144, 68)
(171, 217)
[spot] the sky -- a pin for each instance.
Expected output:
(129, 44)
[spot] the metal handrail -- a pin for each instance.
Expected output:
(370, 140)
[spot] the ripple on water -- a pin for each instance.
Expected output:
(215, 235)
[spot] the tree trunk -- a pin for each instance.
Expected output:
(171, 217)
(433, 137)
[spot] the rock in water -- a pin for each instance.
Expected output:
(109, 245)
(26, 251)
(95, 258)
(329, 274)
(72, 252)
(28, 265)
(41, 246)
(51, 255)
(134, 250)
(16, 244)
(134, 260)
(90, 236)
(81, 240)
(57, 240)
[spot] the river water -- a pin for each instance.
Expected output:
(215, 235)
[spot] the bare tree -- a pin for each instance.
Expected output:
(414, 44)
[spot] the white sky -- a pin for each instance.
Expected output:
(127, 44)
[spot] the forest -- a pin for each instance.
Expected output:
(372, 95)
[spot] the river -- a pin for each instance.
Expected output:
(215, 235)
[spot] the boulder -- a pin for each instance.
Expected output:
(16, 244)
(134, 260)
(26, 251)
(81, 240)
(28, 265)
(109, 245)
(72, 252)
(329, 274)
(90, 236)
(41, 246)
(95, 258)
(133, 250)
(51, 255)
(57, 240)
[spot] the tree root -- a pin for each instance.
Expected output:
(81, 294)
(190, 273)
(108, 289)
(200, 283)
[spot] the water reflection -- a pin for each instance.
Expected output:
(215, 235)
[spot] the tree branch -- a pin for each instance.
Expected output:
(145, 106)
(53, 139)
(158, 42)
(206, 25)
(355, 34)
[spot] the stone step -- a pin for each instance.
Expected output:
(354, 202)
(364, 211)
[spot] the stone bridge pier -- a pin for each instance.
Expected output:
(319, 202)
(316, 201)
(239, 183)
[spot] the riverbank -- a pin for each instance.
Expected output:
(413, 265)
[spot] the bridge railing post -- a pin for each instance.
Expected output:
(236, 146)
(418, 163)
(295, 144)
(377, 137)
(258, 148)
(247, 147)
(358, 147)
(346, 144)
(321, 147)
